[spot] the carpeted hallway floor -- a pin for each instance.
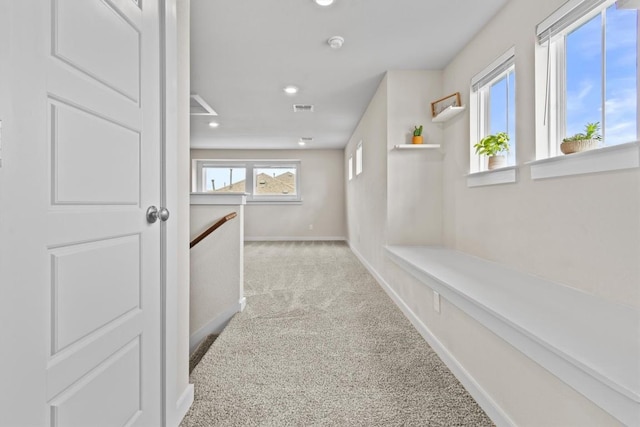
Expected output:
(320, 343)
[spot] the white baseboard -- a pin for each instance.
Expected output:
(294, 239)
(214, 326)
(243, 303)
(491, 408)
(184, 403)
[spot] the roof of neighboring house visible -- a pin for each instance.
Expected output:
(265, 184)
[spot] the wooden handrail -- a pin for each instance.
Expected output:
(213, 228)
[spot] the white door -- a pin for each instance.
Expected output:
(79, 263)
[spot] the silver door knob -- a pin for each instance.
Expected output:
(163, 214)
(153, 214)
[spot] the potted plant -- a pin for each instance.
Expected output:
(492, 146)
(417, 135)
(582, 141)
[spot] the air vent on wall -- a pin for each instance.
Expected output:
(301, 108)
(199, 107)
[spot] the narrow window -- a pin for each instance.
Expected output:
(493, 108)
(359, 159)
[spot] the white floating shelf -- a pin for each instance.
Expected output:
(448, 113)
(415, 146)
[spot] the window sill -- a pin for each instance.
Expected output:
(506, 175)
(218, 198)
(617, 157)
(274, 202)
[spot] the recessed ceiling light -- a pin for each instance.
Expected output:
(324, 2)
(214, 124)
(291, 90)
(301, 143)
(335, 42)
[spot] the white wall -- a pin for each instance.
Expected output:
(398, 196)
(217, 270)
(414, 178)
(583, 231)
(367, 193)
(322, 187)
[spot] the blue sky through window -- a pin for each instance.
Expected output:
(584, 76)
(502, 114)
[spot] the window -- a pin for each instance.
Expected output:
(262, 180)
(588, 52)
(359, 159)
(350, 168)
(493, 107)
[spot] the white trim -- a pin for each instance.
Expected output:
(617, 157)
(490, 406)
(183, 404)
(227, 199)
(294, 238)
(564, 330)
(418, 146)
(214, 326)
(243, 303)
(274, 202)
(566, 15)
(506, 58)
(505, 175)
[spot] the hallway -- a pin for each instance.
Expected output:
(320, 343)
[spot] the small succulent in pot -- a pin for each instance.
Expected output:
(588, 140)
(417, 135)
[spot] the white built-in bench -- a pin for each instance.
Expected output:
(590, 343)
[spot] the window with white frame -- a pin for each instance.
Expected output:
(493, 107)
(587, 60)
(350, 167)
(359, 159)
(261, 180)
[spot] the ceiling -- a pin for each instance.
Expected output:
(244, 52)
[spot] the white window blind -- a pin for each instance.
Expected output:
(566, 15)
(496, 68)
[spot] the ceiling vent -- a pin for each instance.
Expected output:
(301, 108)
(306, 139)
(199, 107)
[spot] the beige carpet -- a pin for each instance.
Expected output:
(320, 343)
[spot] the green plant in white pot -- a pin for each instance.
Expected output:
(582, 141)
(493, 146)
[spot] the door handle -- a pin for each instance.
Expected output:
(153, 214)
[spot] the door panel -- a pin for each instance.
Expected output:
(101, 40)
(84, 405)
(78, 139)
(79, 264)
(88, 293)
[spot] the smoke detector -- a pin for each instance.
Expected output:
(335, 42)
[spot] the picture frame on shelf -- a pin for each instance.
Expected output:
(442, 104)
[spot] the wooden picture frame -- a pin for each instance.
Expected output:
(441, 104)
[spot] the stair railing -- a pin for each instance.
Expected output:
(213, 228)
